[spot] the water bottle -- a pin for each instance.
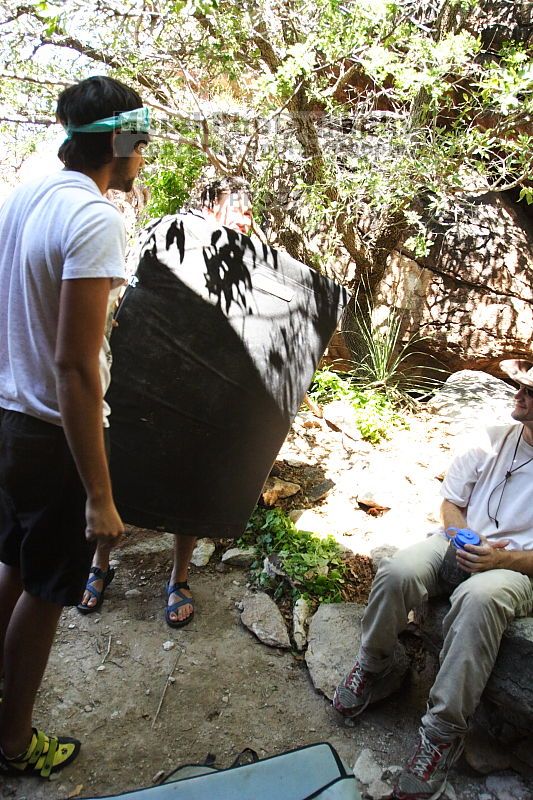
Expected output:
(450, 572)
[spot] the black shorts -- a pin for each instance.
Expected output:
(42, 509)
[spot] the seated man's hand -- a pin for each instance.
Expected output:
(482, 557)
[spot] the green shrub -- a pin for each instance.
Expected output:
(375, 413)
(170, 177)
(312, 566)
(329, 385)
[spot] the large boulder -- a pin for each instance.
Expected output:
(472, 296)
(470, 399)
(510, 687)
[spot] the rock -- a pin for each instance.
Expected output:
(471, 295)
(318, 492)
(312, 423)
(472, 298)
(484, 754)
(366, 769)
(340, 416)
(273, 566)
(523, 751)
(379, 553)
(378, 790)
(131, 593)
(296, 462)
(261, 615)
(239, 556)
(202, 552)
(275, 489)
(169, 645)
(510, 687)
(507, 787)
(372, 491)
(474, 397)
(333, 643)
(300, 622)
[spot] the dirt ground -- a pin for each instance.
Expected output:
(144, 698)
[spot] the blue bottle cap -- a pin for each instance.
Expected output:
(464, 536)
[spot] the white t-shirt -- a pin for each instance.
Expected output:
(56, 229)
(476, 480)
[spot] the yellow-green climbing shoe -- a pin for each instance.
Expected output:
(44, 755)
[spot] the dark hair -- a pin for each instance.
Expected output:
(94, 98)
(232, 185)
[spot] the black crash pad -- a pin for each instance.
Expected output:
(217, 341)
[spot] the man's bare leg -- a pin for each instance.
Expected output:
(27, 644)
(10, 591)
(183, 547)
(101, 560)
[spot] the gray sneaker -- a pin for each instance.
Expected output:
(424, 776)
(355, 692)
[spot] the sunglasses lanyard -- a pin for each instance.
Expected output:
(508, 474)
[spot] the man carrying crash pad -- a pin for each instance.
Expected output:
(225, 202)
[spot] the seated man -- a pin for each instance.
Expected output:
(487, 489)
(224, 202)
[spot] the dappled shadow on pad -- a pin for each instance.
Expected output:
(212, 358)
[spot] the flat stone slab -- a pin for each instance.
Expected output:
(239, 556)
(261, 615)
(333, 644)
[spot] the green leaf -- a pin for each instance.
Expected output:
(526, 193)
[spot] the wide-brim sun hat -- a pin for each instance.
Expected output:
(519, 370)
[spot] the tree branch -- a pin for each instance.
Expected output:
(21, 120)
(72, 43)
(29, 79)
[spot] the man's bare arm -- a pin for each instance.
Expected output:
(82, 313)
(452, 516)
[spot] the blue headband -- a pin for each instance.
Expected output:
(135, 121)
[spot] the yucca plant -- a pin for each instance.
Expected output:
(383, 361)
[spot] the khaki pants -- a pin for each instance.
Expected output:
(481, 609)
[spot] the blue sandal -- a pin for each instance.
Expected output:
(175, 589)
(96, 574)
